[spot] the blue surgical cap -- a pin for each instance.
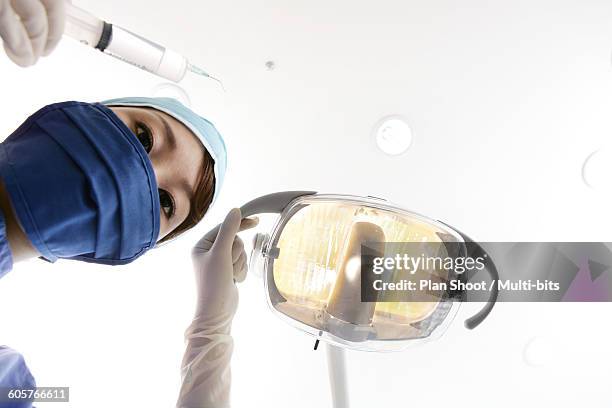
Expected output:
(202, 128)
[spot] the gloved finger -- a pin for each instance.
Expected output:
(33, 16)
(240, 268)
(248, 223)
(207, 241)
(227, 231)
(56, 16)
(237, 249)
(15, 38)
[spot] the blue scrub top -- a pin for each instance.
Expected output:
(14, 373)
(6, 260)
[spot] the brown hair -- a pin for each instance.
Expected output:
(202, 198)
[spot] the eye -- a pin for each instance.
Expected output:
(166, 202)
(143, 133)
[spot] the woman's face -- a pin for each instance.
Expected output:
(177, 157)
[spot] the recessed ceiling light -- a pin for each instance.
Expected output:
(596, 170)
(393, 135)
(538, 352)
(170, 90)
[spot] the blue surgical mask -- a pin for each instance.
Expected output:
(81, 185)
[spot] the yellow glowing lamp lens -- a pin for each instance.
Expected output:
(310, 247)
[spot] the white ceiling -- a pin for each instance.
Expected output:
(506, 101)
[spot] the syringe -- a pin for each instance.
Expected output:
(127, 46)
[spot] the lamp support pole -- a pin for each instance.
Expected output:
(336, 367)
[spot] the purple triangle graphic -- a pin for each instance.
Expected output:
(583, 289)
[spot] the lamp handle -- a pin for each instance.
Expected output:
(271, 203)
(474, 249)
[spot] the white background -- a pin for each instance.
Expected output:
(506, 101)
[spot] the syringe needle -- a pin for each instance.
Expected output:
(200, 71)
(219, 81)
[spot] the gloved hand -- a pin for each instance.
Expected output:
(219, 261)
(31, 28)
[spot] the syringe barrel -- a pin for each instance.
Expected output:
(146, 54)
(124, 45)
(83, 26)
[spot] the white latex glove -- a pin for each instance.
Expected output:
(31, 28)
(219, 261)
